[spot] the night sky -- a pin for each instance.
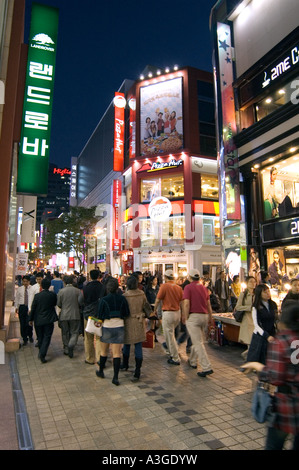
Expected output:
(101, 43)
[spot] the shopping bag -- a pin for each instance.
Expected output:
(94, 326)
(150, 340)
(262, 404)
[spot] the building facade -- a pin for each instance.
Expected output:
(164, 209)
(256, 63)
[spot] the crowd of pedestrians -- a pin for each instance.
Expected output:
(129, 306)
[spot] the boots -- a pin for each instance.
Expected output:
(116, 366)
(101, 363)
(125, 364)
(138, 364)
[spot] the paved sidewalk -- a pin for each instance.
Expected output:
(170, 408)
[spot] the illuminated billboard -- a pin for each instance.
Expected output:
(161, 118)
(33, 160)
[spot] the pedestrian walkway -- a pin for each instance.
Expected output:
(68, 407)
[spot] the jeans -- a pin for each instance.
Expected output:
(138, 350)
(276, 438)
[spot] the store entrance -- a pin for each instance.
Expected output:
(179, 269)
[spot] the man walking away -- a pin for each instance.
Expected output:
(171, 296)
(56, 282)
(69, 300)
(197, 313)
(92, 292)
(21, 305)
(35, 289)
(43, 315)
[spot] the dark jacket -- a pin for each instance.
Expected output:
(218, 284)
(113, 306)
(43, 308)
(151, 294)
(290, 296)
(92, 292)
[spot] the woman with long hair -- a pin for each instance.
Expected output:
(264, 316)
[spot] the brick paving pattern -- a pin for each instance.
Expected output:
(170, 408)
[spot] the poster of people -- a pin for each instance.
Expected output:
(281, 189)
(161, 118)
(276, 266)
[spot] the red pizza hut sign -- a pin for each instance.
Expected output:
(119, 131)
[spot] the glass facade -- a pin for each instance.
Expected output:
(171, 187)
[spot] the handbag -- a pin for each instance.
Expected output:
(150, 340)
(262, 404)
(238, 314)
(92, 328)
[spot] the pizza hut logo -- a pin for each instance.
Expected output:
(160, 209)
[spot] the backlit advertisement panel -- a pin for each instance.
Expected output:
(119, 131)
(161, 118)
(38, 100)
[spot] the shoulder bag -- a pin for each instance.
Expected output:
(94, 326)
(239, 314)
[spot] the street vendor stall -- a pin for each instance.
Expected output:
(225, 328)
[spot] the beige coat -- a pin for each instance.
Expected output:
(135, 324)
(246, 326)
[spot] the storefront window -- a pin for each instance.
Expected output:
(128, 193)
(209, 187)
(266, 105)
(211, 231)
(127, 235)
(281, 188)
(171, 187)
(170, 232)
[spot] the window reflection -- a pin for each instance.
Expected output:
(171, 187)
(209, 187)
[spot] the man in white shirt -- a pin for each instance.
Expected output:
(21, 305)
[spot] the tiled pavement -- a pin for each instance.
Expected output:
(170, 408)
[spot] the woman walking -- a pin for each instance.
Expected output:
(113, 309)
(264, 315)
(244, 304)
(135, 324)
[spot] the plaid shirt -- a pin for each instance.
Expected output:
(280, 370)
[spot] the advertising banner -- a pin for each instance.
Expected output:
(229, 155)
(38, 100)
(119, 131)
(116, 200)
(161, 118)
(22, 264)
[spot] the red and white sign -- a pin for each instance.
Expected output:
(119, 131)
(62, 172)
(71, 262)
(116, 197)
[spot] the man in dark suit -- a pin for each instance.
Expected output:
(43, 315)
(222, 291)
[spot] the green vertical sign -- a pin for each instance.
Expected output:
(33, 162)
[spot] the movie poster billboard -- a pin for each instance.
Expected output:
(161, 118)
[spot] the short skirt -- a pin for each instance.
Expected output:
(113, 331)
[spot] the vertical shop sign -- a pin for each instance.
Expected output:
(37, 109)
(132, 106)
(116, 198)
(119, 131)
(229, 154)
(73, 185)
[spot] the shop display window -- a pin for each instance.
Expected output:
(211, 231)
(171, 187)
(209, 187)
(266, 105)
(165, 233)
(281, 188)
(127, 235)
(128, 193)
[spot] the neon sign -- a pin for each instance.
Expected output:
(33, 164)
